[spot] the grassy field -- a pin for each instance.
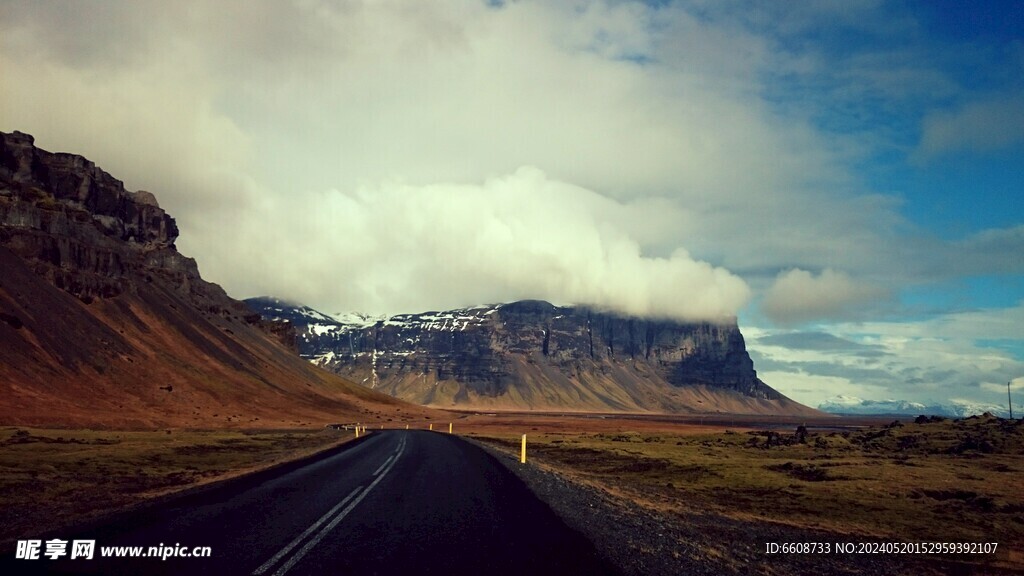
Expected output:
(945, 481)
(50, 478)
(939, 481)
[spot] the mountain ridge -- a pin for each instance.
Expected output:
(533, 355)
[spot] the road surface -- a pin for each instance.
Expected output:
(395, 502)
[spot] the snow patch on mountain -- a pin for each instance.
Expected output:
(321, 329)
(323, 359)
(448, 321)
(357, 319)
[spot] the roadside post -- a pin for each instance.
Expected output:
(522, 454)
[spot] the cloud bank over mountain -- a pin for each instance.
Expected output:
(521, 236)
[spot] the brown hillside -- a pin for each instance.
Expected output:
(103, 323)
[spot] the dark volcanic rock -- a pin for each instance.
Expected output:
(88, 235)
(493, 352)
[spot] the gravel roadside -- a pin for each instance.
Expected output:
(644, 542)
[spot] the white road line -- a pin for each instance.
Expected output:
(383, 465)
(330, 526)
(277, 557)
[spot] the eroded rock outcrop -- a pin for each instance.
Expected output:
(532, 354)
(85, 233)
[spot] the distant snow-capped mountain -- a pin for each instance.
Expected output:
(357, 319)
(310, 324)
(534, 355)
(953, 408)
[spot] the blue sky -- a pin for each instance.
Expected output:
(844, 171)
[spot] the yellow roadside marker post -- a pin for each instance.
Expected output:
(357, 431)
(522, 455)
(449, 427)
(406, 426)
(431, 427)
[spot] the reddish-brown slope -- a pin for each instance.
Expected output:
(151, 359)
(104, 323)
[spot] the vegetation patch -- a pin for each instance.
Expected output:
(937, 480)
(805, 472)
(49, 478)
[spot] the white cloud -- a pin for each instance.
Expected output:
(1015, 384)
(932, 361)
(996, 323)
(444, 245)
(813, 389)
(976, 127)
(991, 251)
(154, 126)
(798, 295)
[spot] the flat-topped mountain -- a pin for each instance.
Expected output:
(534, 355)
(104, 323)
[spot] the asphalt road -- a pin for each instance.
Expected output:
(395, 502)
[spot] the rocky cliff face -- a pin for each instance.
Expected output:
(104, 322)
(533, 354)
(84, 232)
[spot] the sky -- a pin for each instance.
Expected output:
(844, 177)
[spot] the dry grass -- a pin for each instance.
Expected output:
(51, 478)
(948, 481)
